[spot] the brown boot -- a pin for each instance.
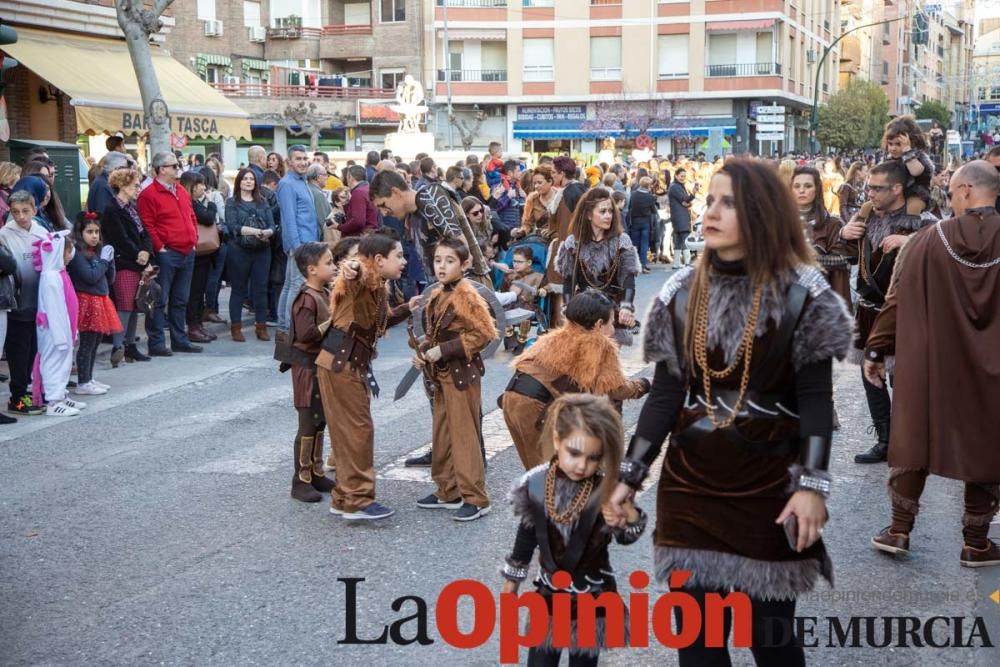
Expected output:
(302, 488)
(985, 557)
(320, 482)
(261, 330)
(894, 543)
(237, 331)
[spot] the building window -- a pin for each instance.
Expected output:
(393, 11)
(251, 14)
(206, 10)
(539, 59)
(357, 13)
(390, 78)
(214, 74)
(605, 58)
(672, 55)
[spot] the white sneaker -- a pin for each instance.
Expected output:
(103, 386)
(89, 389)
(61, 409)
(79, 405)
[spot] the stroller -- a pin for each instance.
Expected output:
(520, 321)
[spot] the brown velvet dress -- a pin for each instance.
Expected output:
(823, 233)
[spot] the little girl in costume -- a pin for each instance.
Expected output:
(92, 270)
(903, 140)
(559, 505)
(56, 326)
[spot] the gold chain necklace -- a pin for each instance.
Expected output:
(745, 353)
(575, 507)
(612, 271)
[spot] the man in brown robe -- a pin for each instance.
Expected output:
(945, 299)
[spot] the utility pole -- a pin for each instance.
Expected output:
(813, 120)
(447, 76)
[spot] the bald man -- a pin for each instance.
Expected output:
(941, 320)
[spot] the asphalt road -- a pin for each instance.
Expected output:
(157, 529)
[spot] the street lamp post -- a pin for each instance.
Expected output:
(813, 120)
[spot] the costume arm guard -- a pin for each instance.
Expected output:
(810, 473)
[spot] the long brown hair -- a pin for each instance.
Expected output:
(818, 206)
(773, 240)
(595, 416)
(580, 225)
(852, 171)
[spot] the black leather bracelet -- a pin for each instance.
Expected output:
(632, 473)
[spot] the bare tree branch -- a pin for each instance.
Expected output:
(161, 6)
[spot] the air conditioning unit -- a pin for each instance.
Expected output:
(258, 33)
(213, 28)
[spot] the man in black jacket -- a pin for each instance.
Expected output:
(642, 216)
(680, 216)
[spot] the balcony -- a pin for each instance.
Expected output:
(291, 90)
(472, 3)
(605, 73)
(473, 75)
(538, 3)
(363, 29)
(605, 2)
(346, 41)
(743, 69)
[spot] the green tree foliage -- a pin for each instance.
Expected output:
(854, 117)
(935, 111)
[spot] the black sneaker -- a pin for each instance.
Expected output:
(24, 406)
(4, 419)
(371, 513)
(422, 461)
(469, 512)
(432, 502)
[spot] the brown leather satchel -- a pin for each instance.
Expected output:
(208, 240)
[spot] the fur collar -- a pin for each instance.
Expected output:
(369, 277)
(469, 307)
(588, 357)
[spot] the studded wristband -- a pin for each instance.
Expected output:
(514, 571)
(632, 472)
(815, 484)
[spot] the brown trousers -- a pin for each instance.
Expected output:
(522, 414)
(457, 464)
(981, 502)
(347, 406)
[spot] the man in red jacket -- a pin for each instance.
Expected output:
(361, 214)
(166, 211)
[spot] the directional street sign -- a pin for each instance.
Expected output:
(770, 111)
(771, 136)
(770, 127)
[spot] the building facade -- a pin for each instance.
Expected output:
(302, 66)
(985, 113)
(672, 76)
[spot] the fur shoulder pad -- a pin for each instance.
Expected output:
(569, 243)
(825, 327)
(472, 308)
(658, 342)
(519, 497)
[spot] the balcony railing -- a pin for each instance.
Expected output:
(357, 29)
(538, 3)
(292, 32)
(743, 69)
(539, 73)
(605, 2)
(473, 75)
(274, 90)
(472, 3)
(605, 73)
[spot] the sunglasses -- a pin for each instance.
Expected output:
(478, 211)
(878, 188)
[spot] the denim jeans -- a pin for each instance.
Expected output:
(293, 281)
(639, 232)
(215, 279)
(248, 267)
(176, 270)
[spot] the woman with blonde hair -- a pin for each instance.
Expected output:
(786, 170)
(9, 174)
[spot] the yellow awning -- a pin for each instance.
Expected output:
(98, 76)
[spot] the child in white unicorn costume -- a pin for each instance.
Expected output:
(56, 325)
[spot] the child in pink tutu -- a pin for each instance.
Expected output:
(93, 272)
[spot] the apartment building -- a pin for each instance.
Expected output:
(298, 65)
(675, 75)
(924, 53)
(985, 112)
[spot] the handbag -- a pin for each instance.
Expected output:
(252, 242)
(147, 295)
(331, 234)
(208, 240)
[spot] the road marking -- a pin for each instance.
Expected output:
(495, 436)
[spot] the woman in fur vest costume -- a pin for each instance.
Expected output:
(560, 510)
(599, 254)
(578, 357)
(822, 230)
(744, 345)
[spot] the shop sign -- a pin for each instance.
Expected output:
(559, 112)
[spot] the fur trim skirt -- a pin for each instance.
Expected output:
(97, 314)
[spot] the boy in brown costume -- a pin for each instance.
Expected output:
(524, 283)
(359, 316)
(310, 315)
(459, 326)
(580, 357)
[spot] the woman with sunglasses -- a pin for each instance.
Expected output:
(478, 216)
